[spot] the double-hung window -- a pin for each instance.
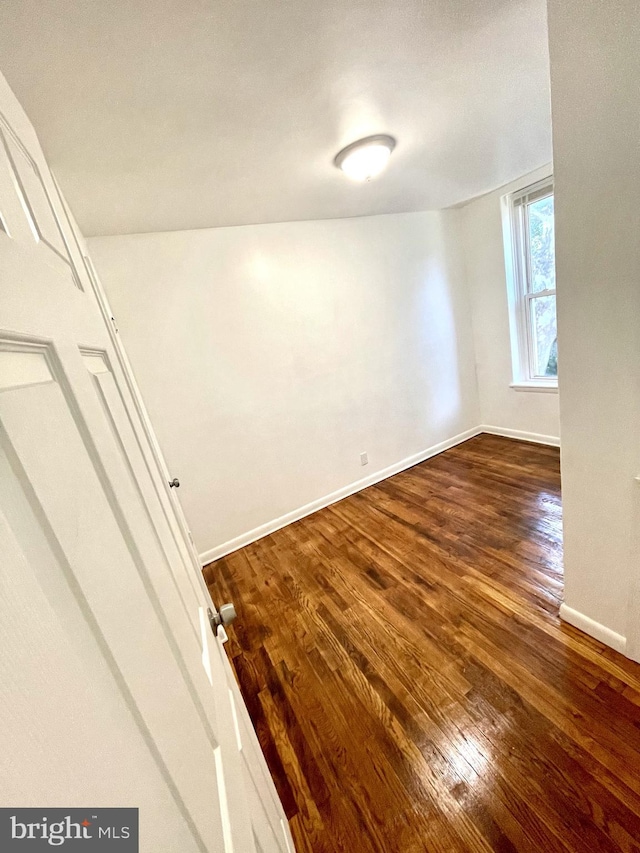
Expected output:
(532, 285)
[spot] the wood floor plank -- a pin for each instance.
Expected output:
(409, 678)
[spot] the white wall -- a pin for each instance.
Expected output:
(271, 356)
(529, 412)
(595, 80)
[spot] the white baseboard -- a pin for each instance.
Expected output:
(593, 629)
(271, 526)
(520, 434)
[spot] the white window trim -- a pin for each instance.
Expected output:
(519, 299)
(548, 386)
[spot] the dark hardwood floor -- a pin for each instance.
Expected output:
(410, 681)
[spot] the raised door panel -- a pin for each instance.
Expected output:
(147, 488)
(35, 200)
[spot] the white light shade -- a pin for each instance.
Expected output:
(366, 158)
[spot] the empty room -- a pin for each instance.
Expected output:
(320, 426)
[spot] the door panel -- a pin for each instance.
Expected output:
(98, 366)
(34, 199)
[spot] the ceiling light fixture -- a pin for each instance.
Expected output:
(366, 158)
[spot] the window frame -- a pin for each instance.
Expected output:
(520, 293)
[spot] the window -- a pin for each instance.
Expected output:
(532, 286)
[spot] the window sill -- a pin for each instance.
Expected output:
(545, 387)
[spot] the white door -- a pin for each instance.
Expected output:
(113, 689)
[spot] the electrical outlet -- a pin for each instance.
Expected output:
(364, 458)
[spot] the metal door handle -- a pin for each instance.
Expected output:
(223, 616)
(174, 484)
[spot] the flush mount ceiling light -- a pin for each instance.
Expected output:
(366, 158)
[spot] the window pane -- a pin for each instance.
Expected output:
(541, 245)
(545, 335)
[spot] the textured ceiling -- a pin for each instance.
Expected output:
(168, 114)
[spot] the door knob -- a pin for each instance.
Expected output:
(175, 483)
(227, 613)
(224, 616)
